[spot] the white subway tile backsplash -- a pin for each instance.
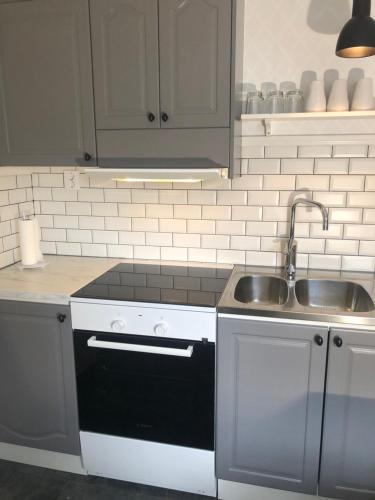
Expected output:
(110, 237)
(202, 197)
(245, 220)
(350, 151)
(261, 228)
(364, 166)
(315, 151)
(230, 227)
(369, 216)
(370, 183)
(364, 200)
(244, 243)
(268, 259)
(263, 198)
(247, 213)
(93, 250)
(66, 221)
(281, 151)
(367, 248)
(313, 182)
(342, 247)
(359, 231)
(263, 166)
(218, 212)
(231, 257)
(120, 251)
(159, 239)
(345, 215)
(331, 262)
(187, 240)
(359, 263)
(67, 249)
(279, 182)
(91, 223)
(297, 166)
(171, 253)
(347, 182)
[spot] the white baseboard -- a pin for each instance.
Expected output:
(42, 458)
(228, 490)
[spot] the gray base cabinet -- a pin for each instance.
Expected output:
(270, 387)
(46, 89)
(38, 402)
(348, 455)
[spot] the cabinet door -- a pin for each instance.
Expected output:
(46, 108)
(270, 400)
(126, 63)
(348, 455)
(37, 378)
(195, 47)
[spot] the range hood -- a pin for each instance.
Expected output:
(158, 170)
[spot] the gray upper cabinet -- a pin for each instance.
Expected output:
(126, 59)
(46, 92)
(37, 379)
(195, 63)
(348, 456)
(270, 403)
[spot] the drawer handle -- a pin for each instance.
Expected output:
(61, 318)
(337, 341)
(319, 340)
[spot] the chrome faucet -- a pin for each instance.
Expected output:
(291, 256)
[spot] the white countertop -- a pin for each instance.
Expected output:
(60, 278)
(54, 283)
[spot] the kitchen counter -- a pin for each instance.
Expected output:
(62, 277)
(292, 309)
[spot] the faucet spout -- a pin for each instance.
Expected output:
(291, 258)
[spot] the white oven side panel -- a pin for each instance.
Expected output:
(167, 323)
(155, 464)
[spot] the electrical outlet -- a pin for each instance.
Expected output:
(71, 180)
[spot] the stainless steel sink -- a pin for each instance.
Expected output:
(263, 290)
(327, 294)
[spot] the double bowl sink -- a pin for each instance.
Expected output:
(313, 296)
(343, 296)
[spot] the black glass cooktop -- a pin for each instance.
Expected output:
(161, 284)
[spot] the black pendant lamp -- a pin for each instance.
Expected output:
(357, 38)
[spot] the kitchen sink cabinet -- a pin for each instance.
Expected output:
(348, 452)
(37, 383)
(46, 89)
(270, 388)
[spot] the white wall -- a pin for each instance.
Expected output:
(295, 41)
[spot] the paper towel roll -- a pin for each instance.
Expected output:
(29, 242)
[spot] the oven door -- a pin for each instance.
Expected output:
(145, 388)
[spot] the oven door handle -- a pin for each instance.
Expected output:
(150, 349)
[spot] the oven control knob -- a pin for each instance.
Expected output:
(161, 329)
(118, 325)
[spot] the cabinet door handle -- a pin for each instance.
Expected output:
(151, 117)
(164, 117)
(61, 318)
(87, 157)
(319, 340)
(337, 341)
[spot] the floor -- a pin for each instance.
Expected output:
(24, 482)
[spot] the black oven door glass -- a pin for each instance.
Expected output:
(153, 397)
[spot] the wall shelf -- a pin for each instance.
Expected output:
(351, 123)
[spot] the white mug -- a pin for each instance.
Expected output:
(316, 98)
(363, 97)
(338, 98)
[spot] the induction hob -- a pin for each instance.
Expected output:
(159, 284)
